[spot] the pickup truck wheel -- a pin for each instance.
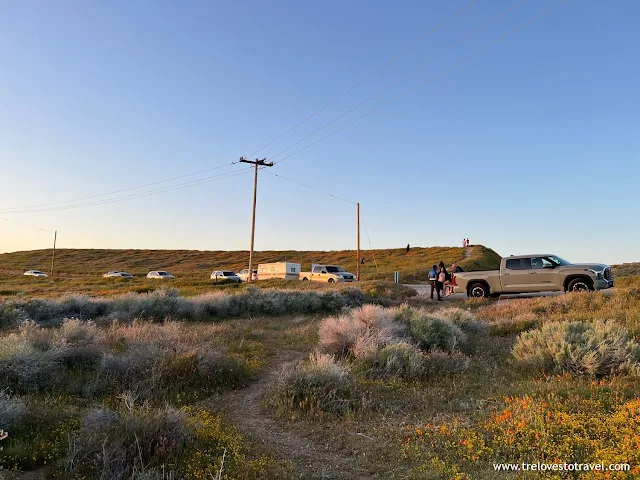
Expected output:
(478, 290)
(579, 285)
(305, 279)
(331, 280)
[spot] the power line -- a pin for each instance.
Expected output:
(27, 225)
(433, 77)
(398, 55)
(370, 246)
(312, 188)
(143, 194)
(118, 191)
(387, 87)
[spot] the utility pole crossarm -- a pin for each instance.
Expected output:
(256, 163)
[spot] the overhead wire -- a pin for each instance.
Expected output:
(429, 79)
(311, 188)
(395, 82)
(357, 84)
(26, 225)
(214, 178)
(118, 191)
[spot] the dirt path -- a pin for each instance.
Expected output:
(467, 252)
(310, 459)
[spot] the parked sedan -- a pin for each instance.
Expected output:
(117, 274)
(228, 275)
(160, 274)
(35, 273)
(244, 274)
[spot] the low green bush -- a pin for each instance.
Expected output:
(434, 333)
(594, 349)
(409, 363)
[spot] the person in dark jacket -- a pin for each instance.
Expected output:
(433, 281)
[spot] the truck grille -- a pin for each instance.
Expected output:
(607, 274)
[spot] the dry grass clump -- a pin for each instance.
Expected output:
(319, 386)
(120, 445)
(595, 349)
(155, 360)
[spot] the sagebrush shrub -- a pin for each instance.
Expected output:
(163, 304)
(360, 331)
(12, 412)
(465, 319)
(407, 362)
(433, 333)
(596, 349)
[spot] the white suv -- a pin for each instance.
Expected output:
(117, 274)
(227, 275)
(160, 274)
(35, 273)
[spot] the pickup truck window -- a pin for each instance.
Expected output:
(317, 269)
(332, 269)
(518, 264)
(541, 262)
(559, 261)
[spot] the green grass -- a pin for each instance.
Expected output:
(80, 271)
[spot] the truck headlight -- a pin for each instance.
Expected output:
(597, 273)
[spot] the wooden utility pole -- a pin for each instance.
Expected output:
(53, 256)
(358, 250)
(256, 163)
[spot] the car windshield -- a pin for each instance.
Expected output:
(163, 273)
(37, 271)
(333, 269)
(228, 274)
(558, 260)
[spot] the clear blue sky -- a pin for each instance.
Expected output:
(532, 145)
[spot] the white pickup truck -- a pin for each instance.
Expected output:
(327, 273)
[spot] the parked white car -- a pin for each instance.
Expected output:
(244, 274)
(35, 273)
(117, 274)
(228, 275)
(160, 274)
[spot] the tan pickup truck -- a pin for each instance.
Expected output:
(534, 273)
(327, 273)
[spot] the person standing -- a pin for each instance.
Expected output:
(442, 276)
(433, 281)
(408, 247)
(464, 242)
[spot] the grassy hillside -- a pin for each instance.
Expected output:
(626, 269)
(379, 264)
(80, 271)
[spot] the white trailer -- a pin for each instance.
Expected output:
(285, 270)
